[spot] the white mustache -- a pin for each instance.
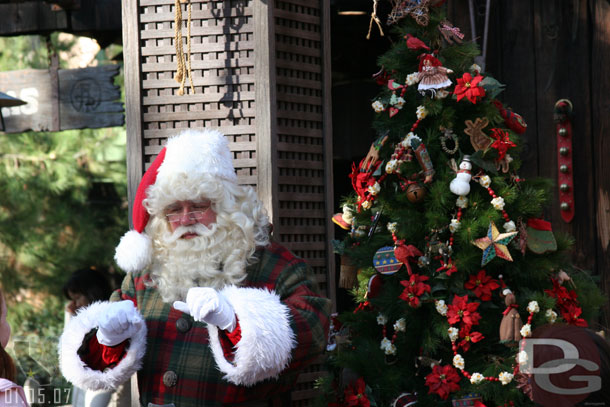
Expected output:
(198, 229)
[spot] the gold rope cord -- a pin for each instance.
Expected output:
(182, 70)
(375, 19)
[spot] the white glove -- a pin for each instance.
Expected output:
(120, 322)
(208, 305)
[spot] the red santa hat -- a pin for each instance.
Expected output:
(191, 155)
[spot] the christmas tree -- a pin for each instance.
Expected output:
(449, 258)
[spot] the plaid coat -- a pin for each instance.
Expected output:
(283, 322)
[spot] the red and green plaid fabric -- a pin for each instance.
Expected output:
(200, 383)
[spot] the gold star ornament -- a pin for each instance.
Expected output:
(494, 244)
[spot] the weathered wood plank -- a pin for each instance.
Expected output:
(298, 66)
(133, 102)
(303, 83)
(300, 164)
(300, 148)
(204, 48)
(328, 149)
(511, 60)
(34, 87)
(300, 196)
(199, 64)
(297, 49)
(292, 32)
(300, 17)
(88, 98)
(266, 120)
(307, 181)
(198, 98)
(216, 15)
(31, 17)
(197, 115)
(197, 81)
(230, 130)
(600, 60)
(85, 98)
(296, 115)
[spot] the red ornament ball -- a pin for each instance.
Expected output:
(405, 400)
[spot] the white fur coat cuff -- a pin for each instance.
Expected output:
(267, 339)
(75, 370)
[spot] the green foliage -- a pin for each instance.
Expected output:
(425, 225)
(63, 207)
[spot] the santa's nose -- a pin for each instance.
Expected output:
(186, 217)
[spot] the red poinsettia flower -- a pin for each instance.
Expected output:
(443, 380)
(415, 287)
(482, 285)
(501, 142)
(355, 395)
(462, 311)
(571, 315)
(468, 338)
(562, 295)
(468, 87)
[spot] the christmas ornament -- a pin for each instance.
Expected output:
(540, 238)
(414, 43)
(443, 380)
(362, 178)
(340, 221)
(415, 287)
(344, 220)
(510, 327)
(513, 120)
(494, 244)
(482, 285)
(374, 286)
(478, 139)
(406, 253)
(460, 185)
(415, 192)
(397, 102)
(347, 273)
(450, 33)
(448, 134)
(432, 75)
(468, 87)
(405, 400)
(372, 157)
(423, 158)
(381, 77)
(385, 261)
(356, 394)
(402, 153)
(468, 400)
(501, 142)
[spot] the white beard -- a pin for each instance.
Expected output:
(212, 259)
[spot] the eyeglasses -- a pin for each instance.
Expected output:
(177, 216)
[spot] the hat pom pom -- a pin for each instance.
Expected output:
(134, 251)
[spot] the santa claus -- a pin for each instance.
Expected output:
(211, 311)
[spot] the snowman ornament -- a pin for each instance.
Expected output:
(460, 185)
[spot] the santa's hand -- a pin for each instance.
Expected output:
(205, 304)
(119, 323)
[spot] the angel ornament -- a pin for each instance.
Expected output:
(432, 75)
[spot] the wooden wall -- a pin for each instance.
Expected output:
(261, 76)
(545, 50)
